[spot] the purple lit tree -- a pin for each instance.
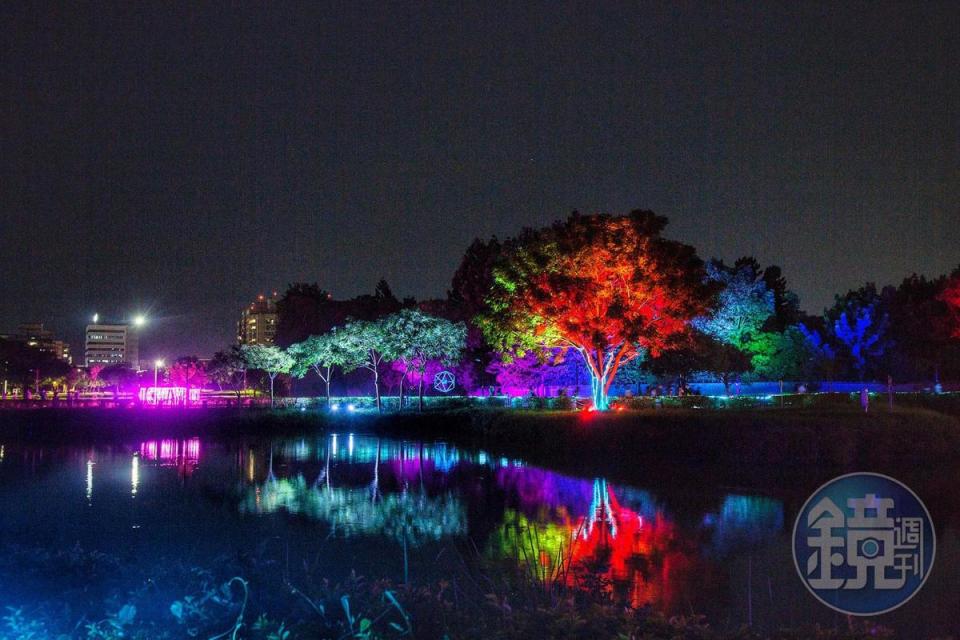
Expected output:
(418, 338)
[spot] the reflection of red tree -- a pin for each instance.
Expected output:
(640, 557)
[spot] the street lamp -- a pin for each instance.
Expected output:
(139, 320)
(156, 367)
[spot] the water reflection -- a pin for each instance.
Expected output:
(553, 527)
(642, 546)
(134, 474)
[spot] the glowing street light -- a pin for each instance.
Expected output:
(96, 318)
(139, 320)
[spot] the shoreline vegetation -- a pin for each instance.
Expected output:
(252, 598)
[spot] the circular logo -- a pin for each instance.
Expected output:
(444, 382)
(863, 544)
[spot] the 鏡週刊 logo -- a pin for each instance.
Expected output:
(863, 544)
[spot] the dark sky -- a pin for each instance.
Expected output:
(179, 160)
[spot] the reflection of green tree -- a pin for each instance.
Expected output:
(539, 548)
(412, 516)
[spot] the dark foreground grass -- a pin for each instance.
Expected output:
(106, 597)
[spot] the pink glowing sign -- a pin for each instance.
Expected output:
(169, 395)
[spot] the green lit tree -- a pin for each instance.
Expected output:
(321, 354)
(418, 338)
(367, 344)
(270, 359)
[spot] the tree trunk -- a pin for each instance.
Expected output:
(400, 405)
(271, 391)
(420, 392)
(327, 381)
(376, 387)
(601, 399)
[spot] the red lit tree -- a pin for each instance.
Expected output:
(606, 286)
(951, 296)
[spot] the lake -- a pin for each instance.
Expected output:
(343, 503)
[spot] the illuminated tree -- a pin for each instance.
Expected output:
(605, 286)
(366, 344)
(188, 372)
(821, 355)
(270, 359)
(861, 330)
(321, 353)
(951, 297)
(744, 305)
(634, 373)
(526, 373)
(419, 338)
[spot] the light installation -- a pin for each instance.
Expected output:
(444, 382)
(171, 396)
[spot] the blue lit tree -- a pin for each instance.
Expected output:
(743, 307)
(745, 304)
(860, 331)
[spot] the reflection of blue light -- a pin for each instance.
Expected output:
(335, 407)
(745, 521)
(482, 457)
(351, 408)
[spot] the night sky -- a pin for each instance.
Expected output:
(180, 160)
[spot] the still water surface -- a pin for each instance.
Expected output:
(388, 508)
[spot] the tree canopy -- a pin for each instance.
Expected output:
(268, 358)
(418, 338)
(606, 286)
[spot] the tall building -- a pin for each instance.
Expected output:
(258, 322)
(109, 344)
(34, 335)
